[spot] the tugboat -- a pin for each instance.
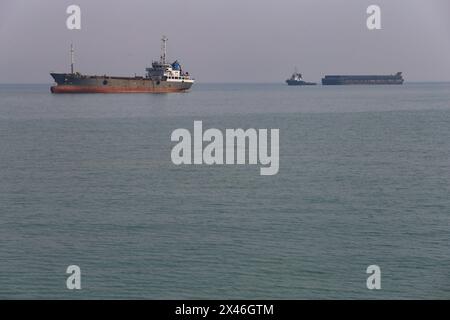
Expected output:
(161, 77)
(297, 80)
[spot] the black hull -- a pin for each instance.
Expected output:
(339, 80)
(300, 83)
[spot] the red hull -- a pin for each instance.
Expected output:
(89, 89)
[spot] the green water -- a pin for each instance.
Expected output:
(88, 180)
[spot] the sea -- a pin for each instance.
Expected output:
(364, 180)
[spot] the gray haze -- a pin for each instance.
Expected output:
(227, 40)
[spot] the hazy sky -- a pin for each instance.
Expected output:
(227, 40)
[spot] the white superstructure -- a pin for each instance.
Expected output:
(170, 72)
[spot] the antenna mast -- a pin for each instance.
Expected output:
(163, 49)
(72, 58)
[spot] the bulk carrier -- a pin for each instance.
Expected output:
(162, 77)
(363, 79)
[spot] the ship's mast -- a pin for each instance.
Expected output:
(72, 58)
(163, 49)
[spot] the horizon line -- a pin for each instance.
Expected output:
(227, 82)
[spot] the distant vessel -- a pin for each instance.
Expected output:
(297, 80)
(162, 77)
(362, 79)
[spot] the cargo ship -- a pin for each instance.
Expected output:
(297, 80)
(161, 77)
(362, 79)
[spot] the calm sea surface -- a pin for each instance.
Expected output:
(88, 180)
